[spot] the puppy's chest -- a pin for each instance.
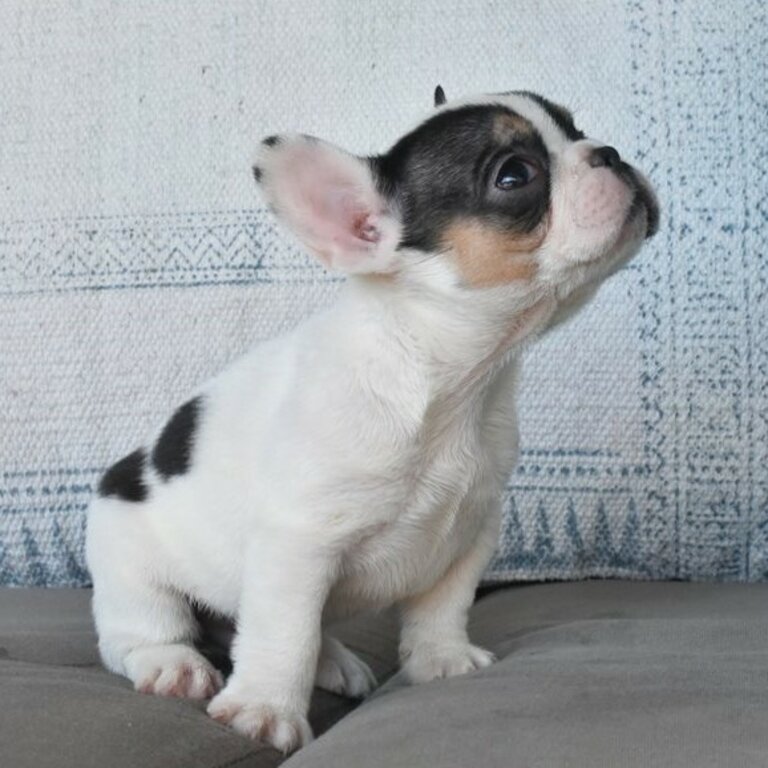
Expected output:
(426, 519)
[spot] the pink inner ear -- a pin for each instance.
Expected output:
(365, 229)
(331, 201)
(337, 213)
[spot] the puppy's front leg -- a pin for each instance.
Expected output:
(278, 640)
(434, 641)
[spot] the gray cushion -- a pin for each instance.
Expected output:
(590, 675)
(61, 709)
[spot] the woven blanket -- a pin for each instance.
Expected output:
(136, 259)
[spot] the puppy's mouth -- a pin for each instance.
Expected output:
(643, 200)
(646, 199)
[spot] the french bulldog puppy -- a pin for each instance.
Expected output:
(358, 462)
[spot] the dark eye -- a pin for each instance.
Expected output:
(515, 172)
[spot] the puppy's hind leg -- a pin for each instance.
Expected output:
(146, 629)
(341, 671)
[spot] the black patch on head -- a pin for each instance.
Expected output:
(257, 173)
(271, 141)
(172, 453)
(442, 171)
(439, 96)
(125, 479)
(561, 116)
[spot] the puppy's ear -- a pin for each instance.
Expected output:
(330, 200)
(439, 96)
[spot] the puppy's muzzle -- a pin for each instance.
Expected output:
(605, 157)
(608, 157)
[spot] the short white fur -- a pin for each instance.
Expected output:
(353, 464)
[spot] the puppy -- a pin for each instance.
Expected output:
(359, 461)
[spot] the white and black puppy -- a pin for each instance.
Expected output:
(359, 461)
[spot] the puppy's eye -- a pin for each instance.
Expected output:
(516, 172)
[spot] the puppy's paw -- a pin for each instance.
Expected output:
(341, 671)
(429, 661)
(173, 670)
(280, 728)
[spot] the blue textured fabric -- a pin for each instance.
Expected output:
(135, 259)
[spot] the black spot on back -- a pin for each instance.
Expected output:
(172, 453)
(125, 479)
(440, 171)
(560, 115)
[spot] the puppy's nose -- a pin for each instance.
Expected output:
(604, 156)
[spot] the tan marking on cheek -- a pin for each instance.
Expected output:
(507, 127)
(487, 257)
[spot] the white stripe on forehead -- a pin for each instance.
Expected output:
(553, 137)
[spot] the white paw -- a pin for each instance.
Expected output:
(431, 660)
(173, 670)
(282, 729)
(341, 671)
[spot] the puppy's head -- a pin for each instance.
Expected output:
(499, 193)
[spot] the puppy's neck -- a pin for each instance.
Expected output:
(456, 339)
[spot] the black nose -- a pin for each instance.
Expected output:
(604, 156)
